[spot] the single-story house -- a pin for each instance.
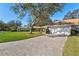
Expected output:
(64, 27)
(60, 29)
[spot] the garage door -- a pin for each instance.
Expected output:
(60, 30)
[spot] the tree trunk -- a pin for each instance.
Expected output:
(30, 30)
(40, 29)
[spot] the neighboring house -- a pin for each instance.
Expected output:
(72, 21)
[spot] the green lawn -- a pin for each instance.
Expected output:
(72, 46)
(14, 36)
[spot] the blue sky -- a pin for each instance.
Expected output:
(6, 14)
(67, 8)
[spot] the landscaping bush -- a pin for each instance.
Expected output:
(36, 29)
(47, 31)
(74, 32)
(77, 31)
(13, 30)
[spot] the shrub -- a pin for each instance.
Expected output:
(13, 30)
(47, 31)
(74, 32)
(36, 29)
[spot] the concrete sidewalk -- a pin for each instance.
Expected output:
(38, 46)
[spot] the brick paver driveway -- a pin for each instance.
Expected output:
(41, 46)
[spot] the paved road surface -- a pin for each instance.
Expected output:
(38, 46)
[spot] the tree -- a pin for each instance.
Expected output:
(2, 25)
(6, 27)
(39, 11)
(14, 25)
(67, 16)
(18, 24)
(72, 15)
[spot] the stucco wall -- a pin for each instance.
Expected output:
(60, 30)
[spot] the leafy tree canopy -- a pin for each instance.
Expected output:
(72, 15)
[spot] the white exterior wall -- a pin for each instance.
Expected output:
(60, 30)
